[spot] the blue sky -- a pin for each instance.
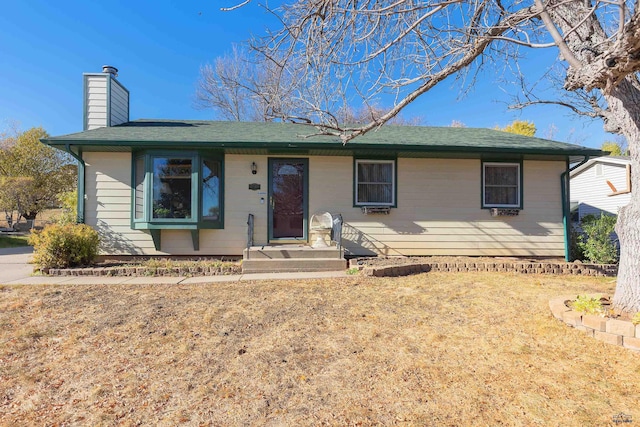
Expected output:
(159, 47)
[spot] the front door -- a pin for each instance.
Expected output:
(288, 199)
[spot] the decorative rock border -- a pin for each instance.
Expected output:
(608, 270)
(611, 331)
(146, 271)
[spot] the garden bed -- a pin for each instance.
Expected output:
(616, 330)
(154, 267)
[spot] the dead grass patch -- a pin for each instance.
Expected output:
(430, 349)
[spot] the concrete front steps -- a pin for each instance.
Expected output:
(291, 258)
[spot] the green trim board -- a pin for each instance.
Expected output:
(195, 239)
(156, 236)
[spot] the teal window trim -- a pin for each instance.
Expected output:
(134, 188)
(210, 224)
(372, 159)
(146, 221)
(518, 163)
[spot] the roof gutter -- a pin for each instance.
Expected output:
(81, 189)
(566, 205)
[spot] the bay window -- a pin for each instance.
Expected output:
(177, 190)
(172, 187)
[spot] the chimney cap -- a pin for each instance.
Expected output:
(110, 70)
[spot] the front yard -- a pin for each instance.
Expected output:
(431, 349)
(13, 241)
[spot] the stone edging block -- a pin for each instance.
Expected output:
(611, 331)
(596, 323)
(607, 270)
(143, 271)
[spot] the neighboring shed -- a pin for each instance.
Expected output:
(601, 185)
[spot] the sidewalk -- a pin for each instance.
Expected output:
(14, 263)
(16, 270)
(92, 280)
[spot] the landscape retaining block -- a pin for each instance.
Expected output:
(558, 308)
(608, 338)
(621, 327)
(572, 318)
(502, 267)
(596, 323)
(611, 331)
(631, 343)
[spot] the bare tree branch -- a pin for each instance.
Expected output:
(520, 106)
(566, 53)
(237, 6)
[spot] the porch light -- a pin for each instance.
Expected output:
(254, 168)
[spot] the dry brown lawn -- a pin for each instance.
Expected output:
(432, 349)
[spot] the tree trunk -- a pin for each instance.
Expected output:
(624, 104)
(29, 215)
(627, 295)
(604, 65)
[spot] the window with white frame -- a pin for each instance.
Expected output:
(501, 185)
(375, 182)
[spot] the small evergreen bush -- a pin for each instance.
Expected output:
(595, 242)
(64, 245)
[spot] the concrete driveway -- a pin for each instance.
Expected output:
(14, 263)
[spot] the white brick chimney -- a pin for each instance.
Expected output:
(106, 100)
